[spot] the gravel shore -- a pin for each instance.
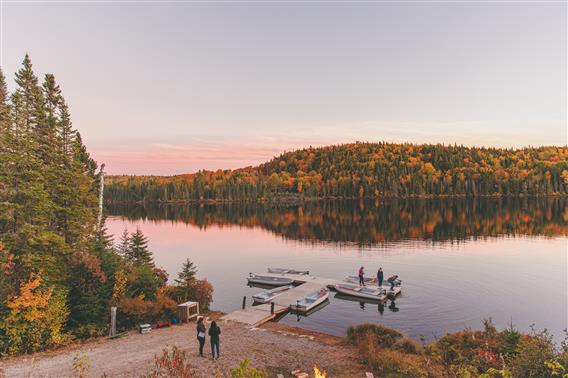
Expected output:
(275, 348)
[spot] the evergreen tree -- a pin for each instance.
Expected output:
(138, 252)
(123, 246)
(29, 234)
(185, 283)
(5, 124)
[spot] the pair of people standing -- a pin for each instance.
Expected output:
(214, 333)
(380, 277)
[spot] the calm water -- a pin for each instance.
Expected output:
(460, 261)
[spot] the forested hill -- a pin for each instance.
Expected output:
(363, 170)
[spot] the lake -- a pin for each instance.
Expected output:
(460, 261)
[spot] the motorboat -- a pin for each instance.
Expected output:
(268, 295)
(310, 301)
(287, 271)
(355, 279)
(366, 292)
(268, 280)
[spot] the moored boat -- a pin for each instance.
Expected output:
(367, 292)
(268, 295)
(310, 301)
(355, 279)
(288, 271)
(269, 280)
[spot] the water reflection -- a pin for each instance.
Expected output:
(372, 223)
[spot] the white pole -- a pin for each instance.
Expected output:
(101, 194)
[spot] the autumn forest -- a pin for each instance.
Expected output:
(363, 170)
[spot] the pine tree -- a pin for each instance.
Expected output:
(30, 210)
(187, 274)
(185, 283)
(5, 124)
(123, 246)
(138, 252)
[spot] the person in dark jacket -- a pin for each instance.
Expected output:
(214, 332)
(201, 334)
(380, 276)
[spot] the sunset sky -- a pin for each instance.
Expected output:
(165, 88)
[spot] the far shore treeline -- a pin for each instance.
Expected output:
(363, 170)
(60, 271)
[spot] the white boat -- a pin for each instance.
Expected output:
(269, 280)
(288, 271)
(355, 279)
(310, 301)
(268, 295)
(367, 292)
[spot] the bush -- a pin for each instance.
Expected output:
(35, 319)
(134, 311)
(171, 364)
(243, 370)
(533, 352)
(408, 346)
(385, 337)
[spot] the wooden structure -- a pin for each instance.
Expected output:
(187, 311)
(257, 315)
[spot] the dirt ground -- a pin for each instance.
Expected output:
(275, 348)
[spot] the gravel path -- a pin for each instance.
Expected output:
(275, 348)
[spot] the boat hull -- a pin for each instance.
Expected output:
(269, 280)
(353, 293)
(300, 308)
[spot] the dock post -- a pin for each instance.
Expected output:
(244, 302)
(271, 308)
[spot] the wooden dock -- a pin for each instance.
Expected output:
(257, 315)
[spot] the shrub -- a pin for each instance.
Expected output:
(533, 352)
(393, 363)
(35, 320)
(171, 364)
(203, 293)
(243, 370)
(384, 336)
(133, 311)
(408, 346)
(81, 364)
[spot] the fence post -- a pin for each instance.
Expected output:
(244, 302)
(112, 321)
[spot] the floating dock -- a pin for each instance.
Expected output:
(257, 315)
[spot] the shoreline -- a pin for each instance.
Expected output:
(293, 199)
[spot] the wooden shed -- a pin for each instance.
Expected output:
(187, 311)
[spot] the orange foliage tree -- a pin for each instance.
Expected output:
(35, 320)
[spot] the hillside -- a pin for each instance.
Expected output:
(363, 170)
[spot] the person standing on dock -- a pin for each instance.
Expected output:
(380, 276)
(214, 332)
(201, 334)
(362, 276)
